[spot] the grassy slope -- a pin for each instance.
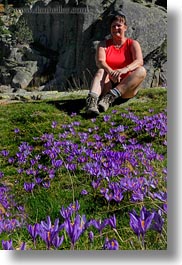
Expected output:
(35, 118)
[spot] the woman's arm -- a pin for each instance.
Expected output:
(136, 55)
(101, 57)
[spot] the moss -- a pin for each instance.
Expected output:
(163, 48)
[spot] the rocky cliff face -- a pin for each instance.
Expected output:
(67, 33)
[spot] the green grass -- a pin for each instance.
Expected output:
(34, 119)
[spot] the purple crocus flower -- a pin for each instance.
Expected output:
(114, 111)
(84, 192)
(48, 232)
(65, 213)
(165, 207)
(46, 225)
(112, 221)
(91, 236)
(158, 222)
(1, 174)
(73, 114)
(72, 208)
(20, 209)
(161, 196)
(54, 124)
(57, 241)
(93, 120)
(8, 225)
(137, 196)
(4, 153)
(11, 160)
(46, 184)
(7, 245)
(38, 180)
(140, 224)
(70, 166)
(106, 118)
(98, 224)
(23, 246)
(16, 130)
(29, 186)
(76, 228)
(57, 163)
(95, 184)
(34, 231)
(111, 244)
(51, 173)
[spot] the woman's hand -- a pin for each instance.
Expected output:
(115, 75)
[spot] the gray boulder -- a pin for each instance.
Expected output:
(22, 66)
(75, 36)
(68, 42)
(24, 75)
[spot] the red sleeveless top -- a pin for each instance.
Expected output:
(118, 58)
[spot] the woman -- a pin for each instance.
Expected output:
(121, 70)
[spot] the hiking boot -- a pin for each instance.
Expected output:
(91, 105)
(106, 101)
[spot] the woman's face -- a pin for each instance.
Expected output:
(118, 28)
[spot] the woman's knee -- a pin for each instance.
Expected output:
(141, 71)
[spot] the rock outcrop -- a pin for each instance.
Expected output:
(71, 36)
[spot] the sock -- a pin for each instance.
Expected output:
(95, 95)
(115, 92)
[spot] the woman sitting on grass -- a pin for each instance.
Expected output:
(121, 70)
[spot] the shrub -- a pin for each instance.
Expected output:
(22, 33)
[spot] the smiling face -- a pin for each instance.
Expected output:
(118, 27)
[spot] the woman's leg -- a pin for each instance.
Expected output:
(100, 84)
(129, 86)
(96, 89)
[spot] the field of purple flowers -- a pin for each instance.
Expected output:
(71, 183)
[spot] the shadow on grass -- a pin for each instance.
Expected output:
(77, 106)
(70, 106)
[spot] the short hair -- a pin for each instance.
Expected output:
(118, 16)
